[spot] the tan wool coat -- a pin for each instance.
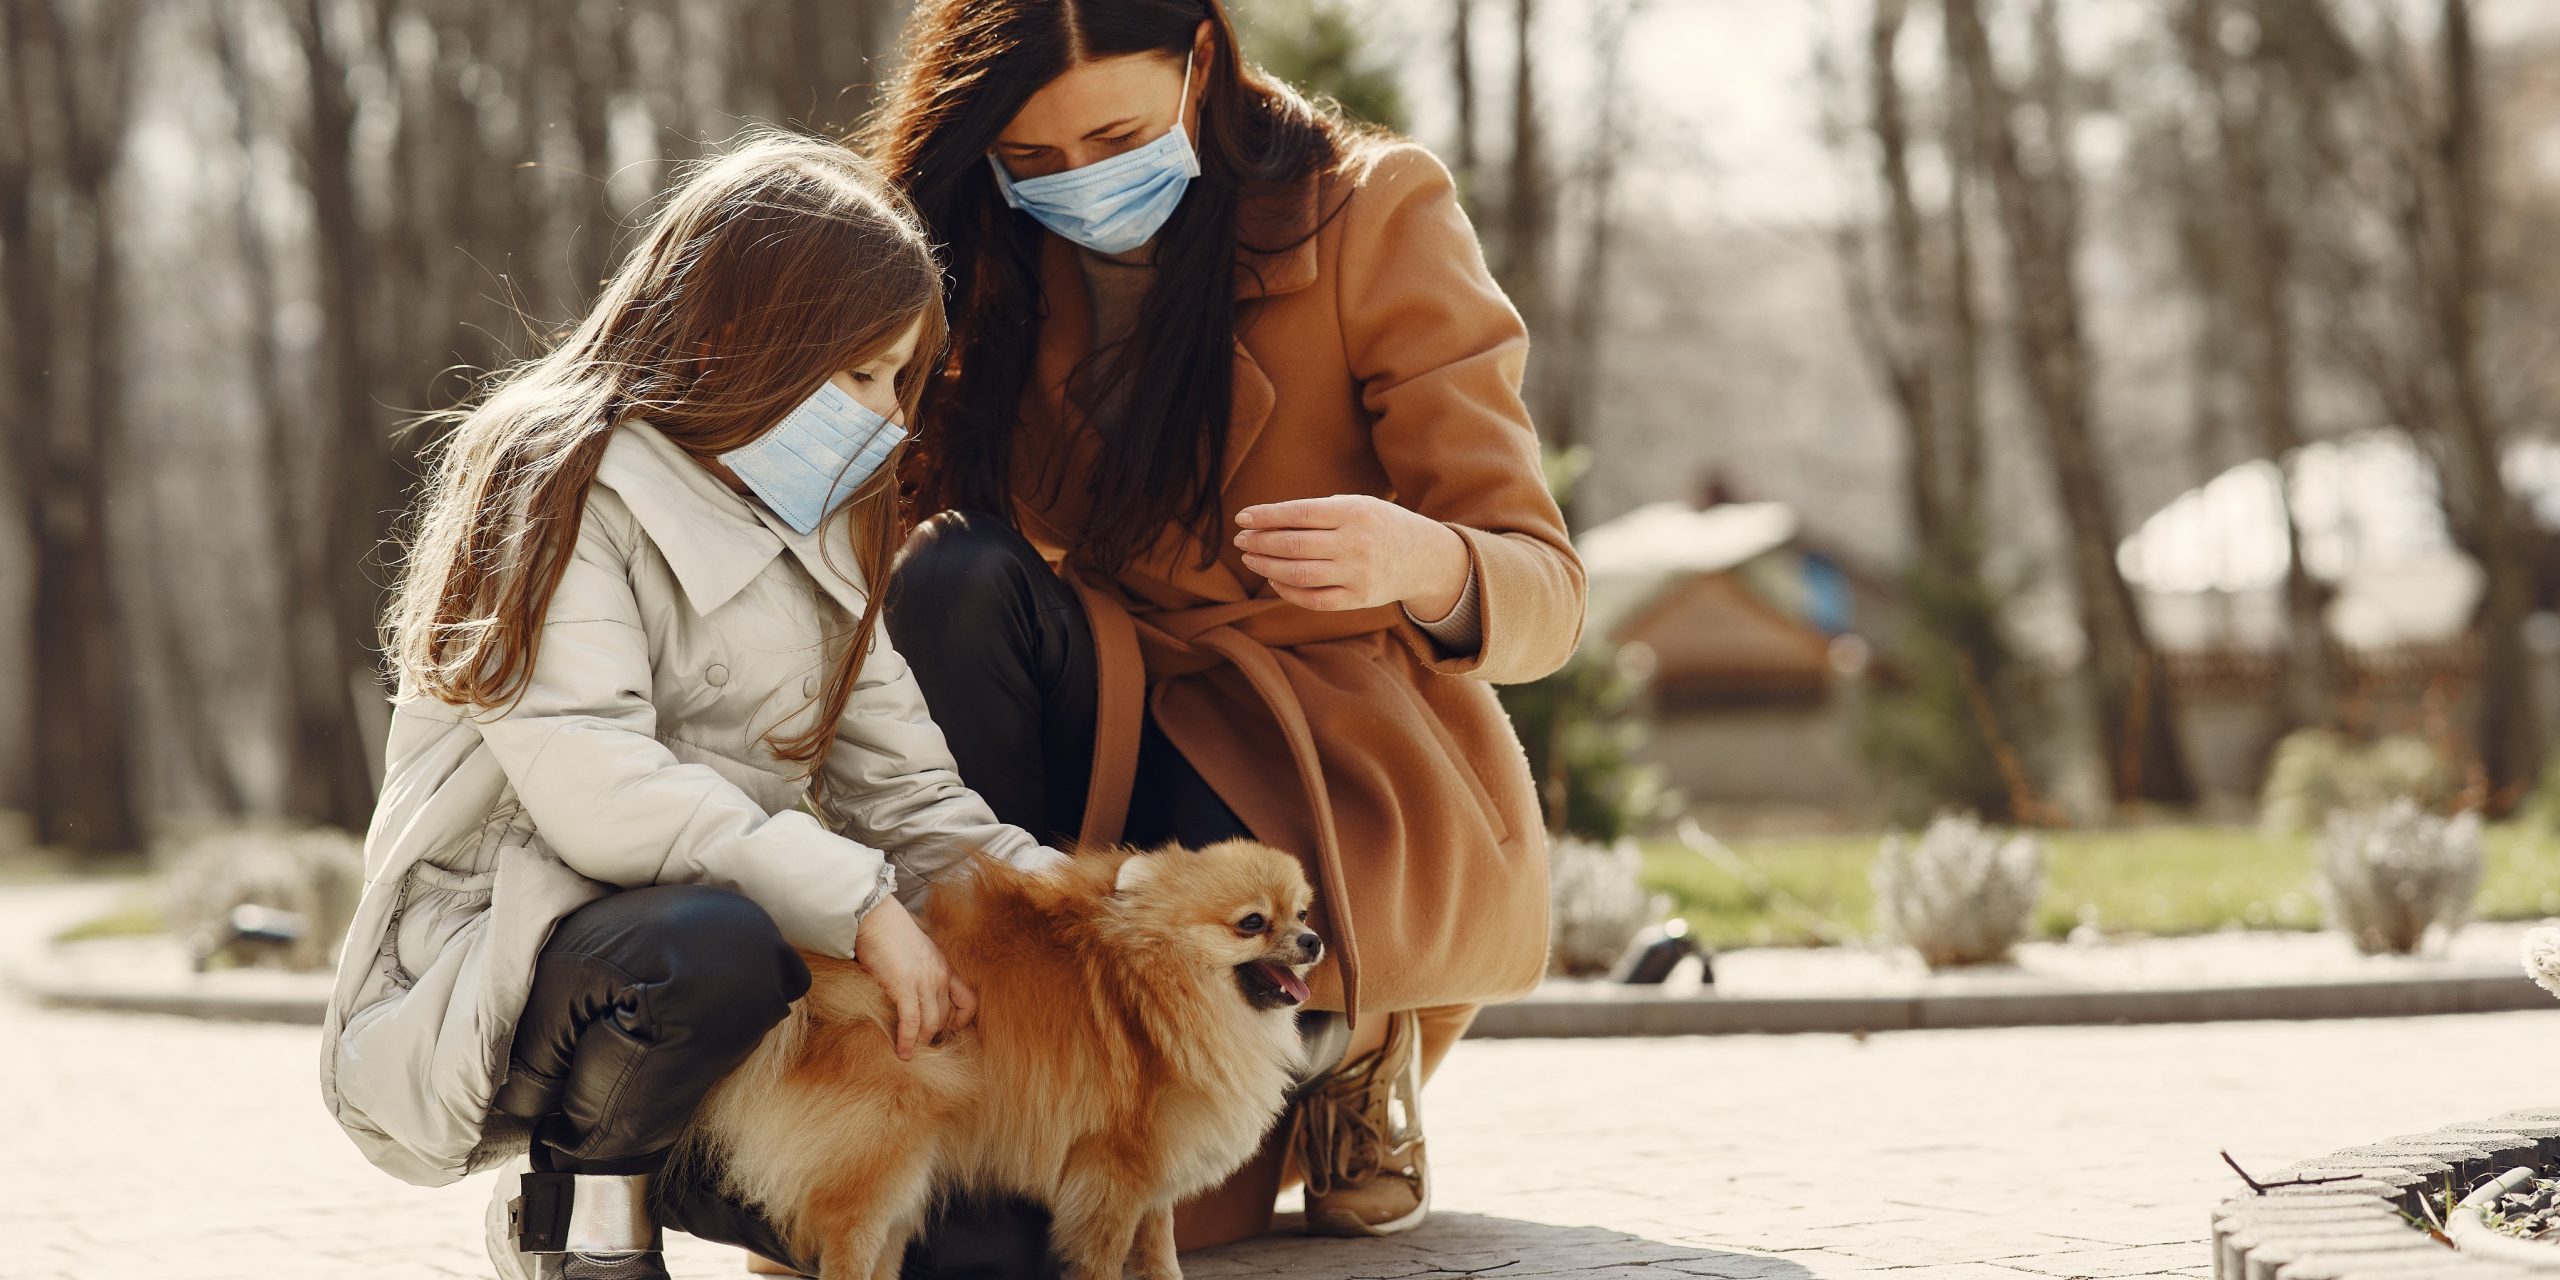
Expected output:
(1376, 356)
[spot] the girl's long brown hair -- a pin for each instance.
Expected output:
(768, 269)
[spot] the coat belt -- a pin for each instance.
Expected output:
(1131, 648)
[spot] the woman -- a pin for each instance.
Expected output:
(1242, 518)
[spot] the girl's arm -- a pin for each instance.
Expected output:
(891, 783)
(581, 747)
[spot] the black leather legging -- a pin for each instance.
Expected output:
(1003, 653)
(641, 1001)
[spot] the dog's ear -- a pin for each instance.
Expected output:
(1135, 870)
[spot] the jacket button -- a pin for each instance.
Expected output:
(809, 687)
(716, 673)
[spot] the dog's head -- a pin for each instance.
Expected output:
(1235, 905)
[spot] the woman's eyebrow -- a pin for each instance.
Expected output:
(1113, 127)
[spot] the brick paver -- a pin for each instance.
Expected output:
(153, 1146)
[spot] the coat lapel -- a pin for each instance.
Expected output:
(840, 579)
(711, 538)
(1286, 220)
(1249, 411)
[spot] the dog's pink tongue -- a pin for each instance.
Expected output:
(1291, 985)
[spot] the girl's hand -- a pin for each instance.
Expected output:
(930, 998)
(1352, 551)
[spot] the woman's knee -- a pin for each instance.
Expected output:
(961, 566)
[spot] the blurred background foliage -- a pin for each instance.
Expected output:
(2026, 400)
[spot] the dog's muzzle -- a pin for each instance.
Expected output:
(1276, 982)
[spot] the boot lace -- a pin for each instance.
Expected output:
(1343, 1138)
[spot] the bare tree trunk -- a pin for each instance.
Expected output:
(593, 64)
(68, 80)
(827, 75)
(1960, 417)
(1580, 377)
(340, 633)
(2038, 216)
(1903, 338)
(1462, 86)
(2253, 271)
(2510, 733)
(319, 727)
(1527, 219)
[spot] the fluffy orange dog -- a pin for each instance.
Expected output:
(1133, 1040)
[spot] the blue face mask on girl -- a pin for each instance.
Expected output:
(1114, 205)
(815, 457)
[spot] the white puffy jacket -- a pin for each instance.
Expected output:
(690, 622)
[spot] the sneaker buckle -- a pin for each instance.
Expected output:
(582, 1213)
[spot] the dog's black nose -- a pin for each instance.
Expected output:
(1311, 944)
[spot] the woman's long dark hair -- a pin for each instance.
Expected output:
(970, 66)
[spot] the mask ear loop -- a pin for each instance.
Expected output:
(1191, 144)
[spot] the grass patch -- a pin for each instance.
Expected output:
(2166, 880)
(135, 918)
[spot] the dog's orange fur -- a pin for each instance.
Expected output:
(1116, 1066)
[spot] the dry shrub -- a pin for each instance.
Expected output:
(315, 874)
(2391, 874)
(1598, 903)
(1961, 894)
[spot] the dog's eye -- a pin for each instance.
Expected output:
(1302, 917)
(1252, 924)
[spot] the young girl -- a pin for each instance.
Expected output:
(649, 738)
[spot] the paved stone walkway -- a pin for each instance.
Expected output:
(162, 1147)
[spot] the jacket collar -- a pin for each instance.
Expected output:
(715, 541)
(711, 538)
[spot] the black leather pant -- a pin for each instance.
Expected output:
(1003, 653)
(642, 1000)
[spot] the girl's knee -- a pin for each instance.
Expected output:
(719, 960)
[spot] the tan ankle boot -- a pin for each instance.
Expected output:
(1359, 1140)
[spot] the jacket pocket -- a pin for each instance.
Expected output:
(1462, 764)
(435, 904)
(444, 891)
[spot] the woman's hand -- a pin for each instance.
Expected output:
(930, 998)
(1352, 551)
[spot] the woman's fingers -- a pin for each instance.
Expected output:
(1292, 544)
(964, 1004)
(1302, 513)
(1299, 573)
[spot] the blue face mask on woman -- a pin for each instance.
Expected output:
(1114, 205)
(815, 457)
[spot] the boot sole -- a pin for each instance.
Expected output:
(1324, 1223)
(501, 1240)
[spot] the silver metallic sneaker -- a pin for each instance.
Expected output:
(572, 1226)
